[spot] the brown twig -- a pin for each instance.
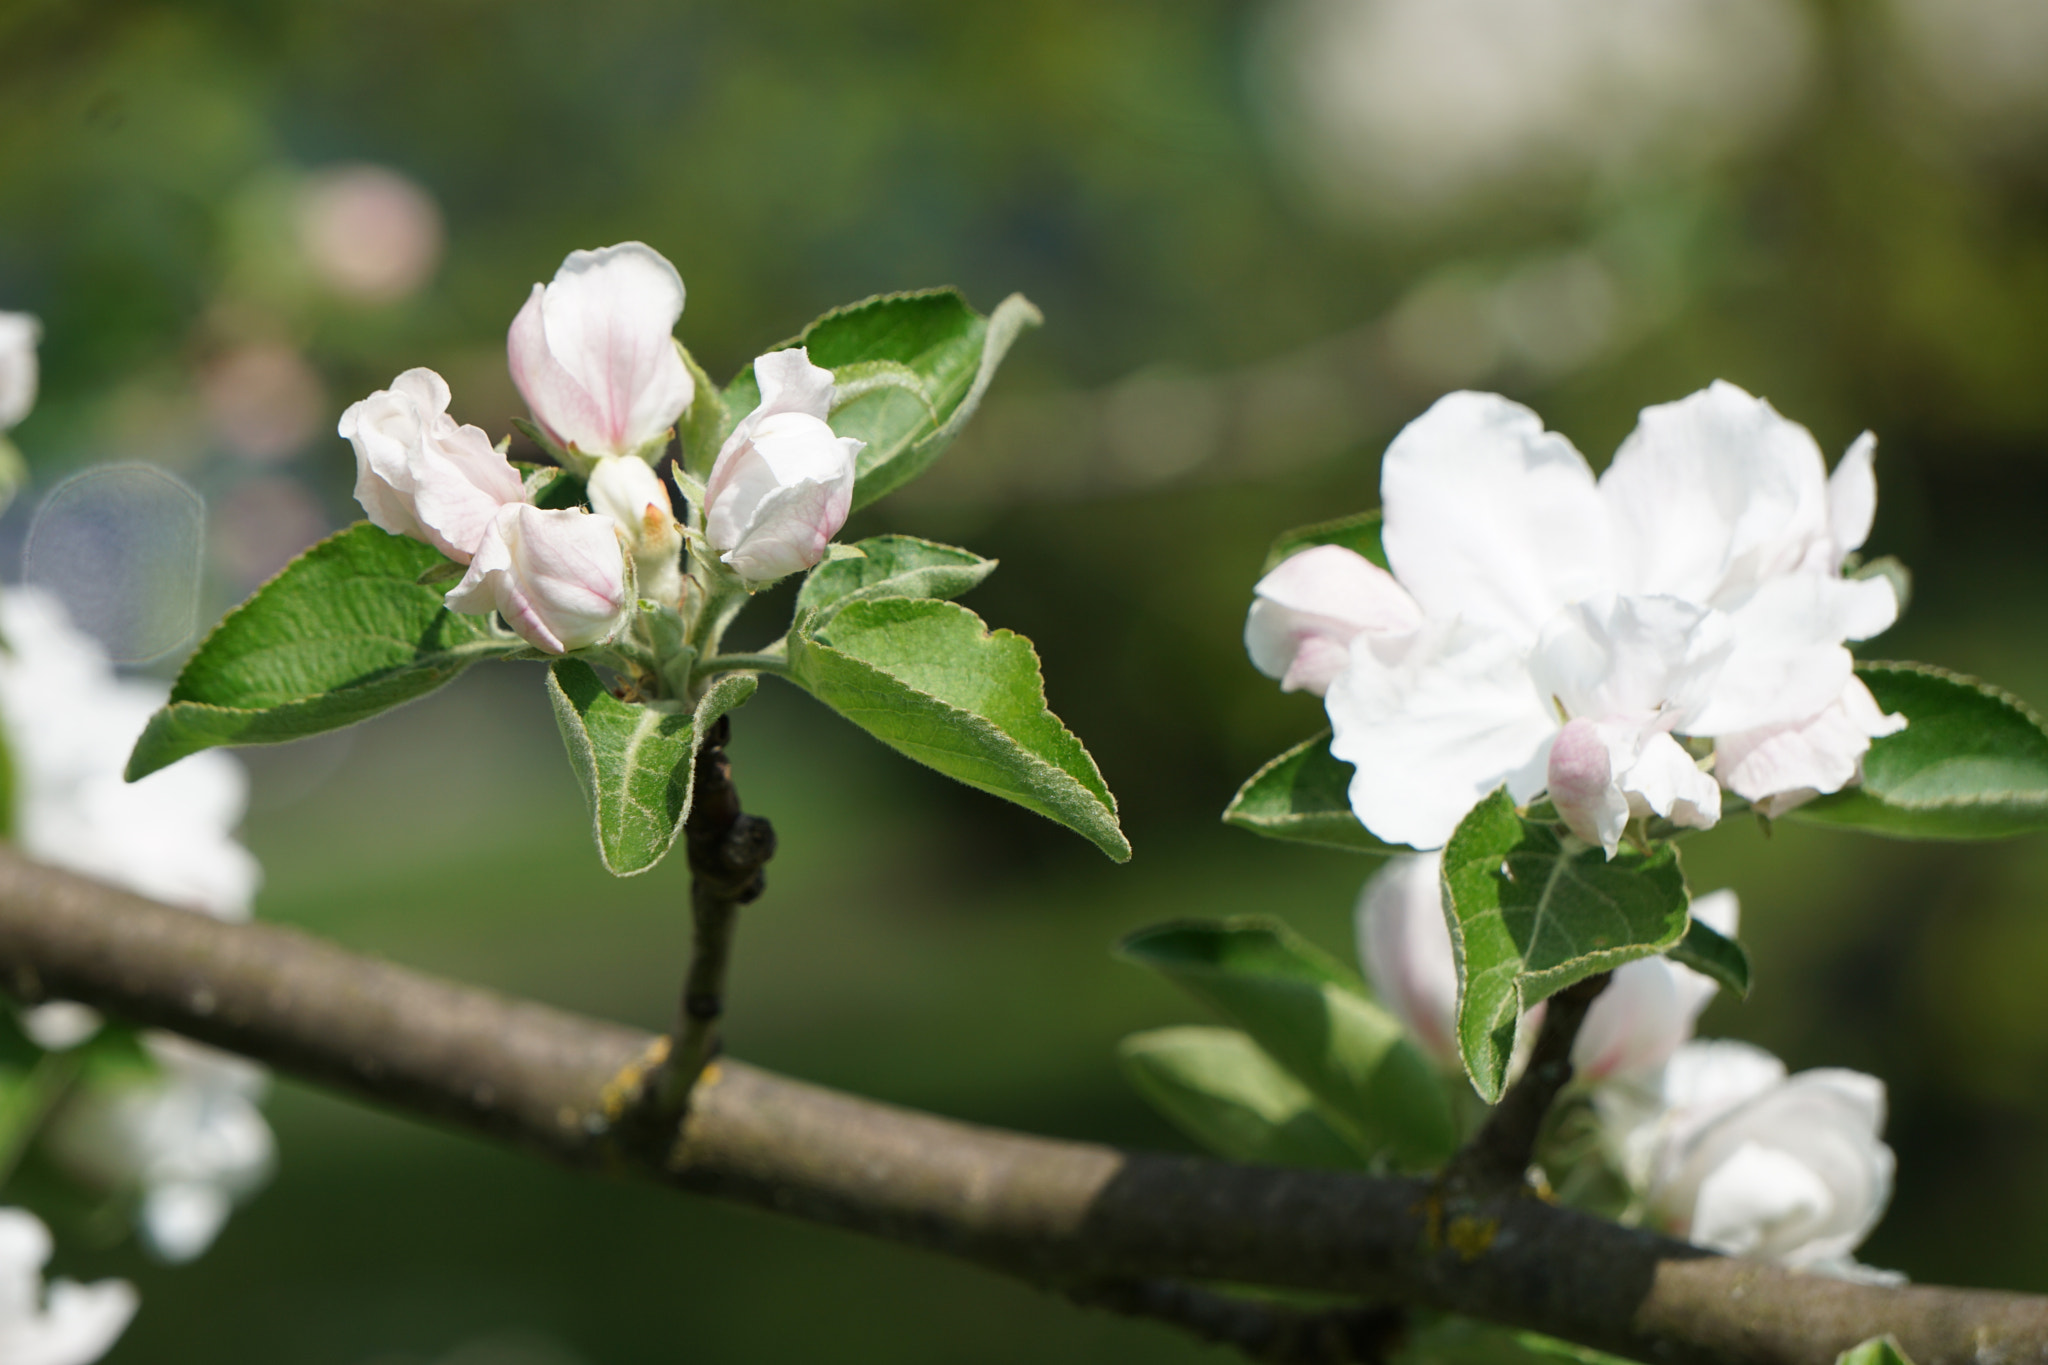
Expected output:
(1043, 1210)
(1496, 1159)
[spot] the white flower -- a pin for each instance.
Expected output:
(594, 353)
(19, 333)
(558, 578)
(190, 1141)
(419, 473)
(1740, 1158)
(1572, 630)
(783, 483)
(633, 495)
(1649, 1008)
(73, 1323)
(1306, 612)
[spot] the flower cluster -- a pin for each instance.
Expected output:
(1550, 631)
(1716, 1141)
(594, 355)
(67, 1324)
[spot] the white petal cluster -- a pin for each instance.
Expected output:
(558, 578)
(67, 1324)
(419, 473)
(594, 353)
(628, 491)
(19, 334)
(783, 482)
(1550, 631)
(1728, 1151)
(189, 1141)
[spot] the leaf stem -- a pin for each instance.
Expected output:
(727, 851)
(761, 662)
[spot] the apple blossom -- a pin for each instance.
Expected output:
(594, 353)
(783, 482)
(1738, 1157)
(558, 578)
(70, 1323)
(1306, 612)
(633, 495)
(19, 333)
(419, 473)
(1573, 631)
(189, 1140)
(1649, 1007)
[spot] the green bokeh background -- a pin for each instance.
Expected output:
(1876, 262)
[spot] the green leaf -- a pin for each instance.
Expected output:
(706, 422)
(1360, 532)
(1555, 1349)
(932, 337)
(1972, 762)
(636, 762)
(1532, 913)
(1222, 1090)
(345, 631)
(1884, 1350)
(1313, 1017)
(1303, 795)
(1711, 953)
(889, 566)
(932, 682)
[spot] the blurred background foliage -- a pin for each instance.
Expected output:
(1265, 234)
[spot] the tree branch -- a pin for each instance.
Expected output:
(1065, 1214)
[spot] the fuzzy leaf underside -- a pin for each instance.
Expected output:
(1972, 762)
(343, 632)
(931, 681)
(1315, 1020)
(1224, 1091)
(1530, 914)
(635, 763)
(1303, 796)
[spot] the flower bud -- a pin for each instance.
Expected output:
(1307, 611)
(1649, 1009)
(80, 1322)
(783, 483)
(19, 333)
(594, 353)
(419, 474)
(558, 578)
(635, 497)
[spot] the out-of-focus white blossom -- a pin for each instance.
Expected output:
(19, 334)
(421, 474)
(70, 1323)
(265, 400)
(1397, 109)
(1649, 1007)
(1572, 631)
(188, 1142)
(633, 495)
(1306, 612)
(369, 233)
(783, 482)
(594, 353)
(1730, 1152)
(558, 578)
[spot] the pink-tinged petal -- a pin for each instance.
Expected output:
(610, 318)
(1778, 768)
(1635, 1024)
(418, 473)
(1712, 496)
(1491, 518)
(778, 496)
(1852, 498)
(794, 525)
(565, 410)
(1405, 947)
(1434, 725)
(557, 577)
(460, 486)
(1580, 779)
(789, 382)
(1310, 606)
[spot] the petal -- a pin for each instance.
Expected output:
(791, 528)
(1713, 495)
(1433, 727)
(1788, 662)
(565, 410)
(83, 1321)
(789, 382)
(181, 1220)
(1490, 517)
(1778, 767)
(1852, 498)
(610, 318)
(1404, 944)
(1665, 778)
(1635, 1024)
(1757, 1192)
(1580, 779)
(1308, 608)
(19, 333)
(460, 481)
(1652, 660)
